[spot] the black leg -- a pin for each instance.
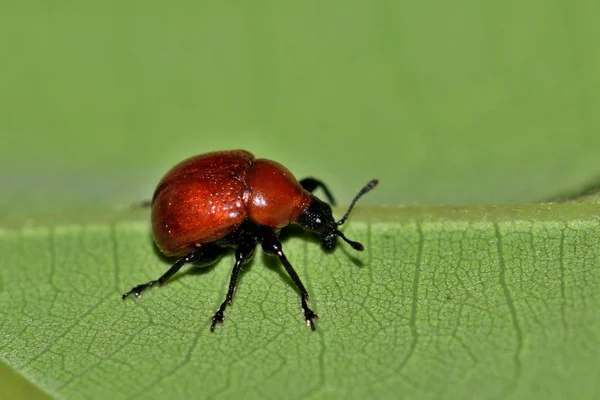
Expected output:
(272, 245)
(243, 254)
(202, 257)
(311, 184)
(142, 204)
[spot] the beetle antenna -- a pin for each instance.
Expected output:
(355, 245)
(368, 187)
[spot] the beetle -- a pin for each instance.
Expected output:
(212, 202)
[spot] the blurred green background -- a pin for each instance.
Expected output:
(445, 102)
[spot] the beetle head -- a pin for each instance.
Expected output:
(318, 218)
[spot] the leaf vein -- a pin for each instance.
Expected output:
(513, 314)
(412, 322)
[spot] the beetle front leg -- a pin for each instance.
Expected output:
(311, 184)
(272, 245)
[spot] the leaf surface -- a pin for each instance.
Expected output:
(445, 301)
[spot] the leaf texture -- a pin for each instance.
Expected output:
(445, 302)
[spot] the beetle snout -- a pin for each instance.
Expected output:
(329, 241)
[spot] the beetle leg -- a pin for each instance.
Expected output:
(202, 257)
(142, 204)
(243, 254)
(312, 184)
(272, 245)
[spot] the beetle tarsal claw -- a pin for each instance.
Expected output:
(310, 318)
(217, 318)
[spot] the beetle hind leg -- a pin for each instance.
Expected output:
(204, 256)
(137, 290)
(142, 204)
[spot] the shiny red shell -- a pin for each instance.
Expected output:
(206, 197)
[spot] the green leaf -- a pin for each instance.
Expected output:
(445, 301)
